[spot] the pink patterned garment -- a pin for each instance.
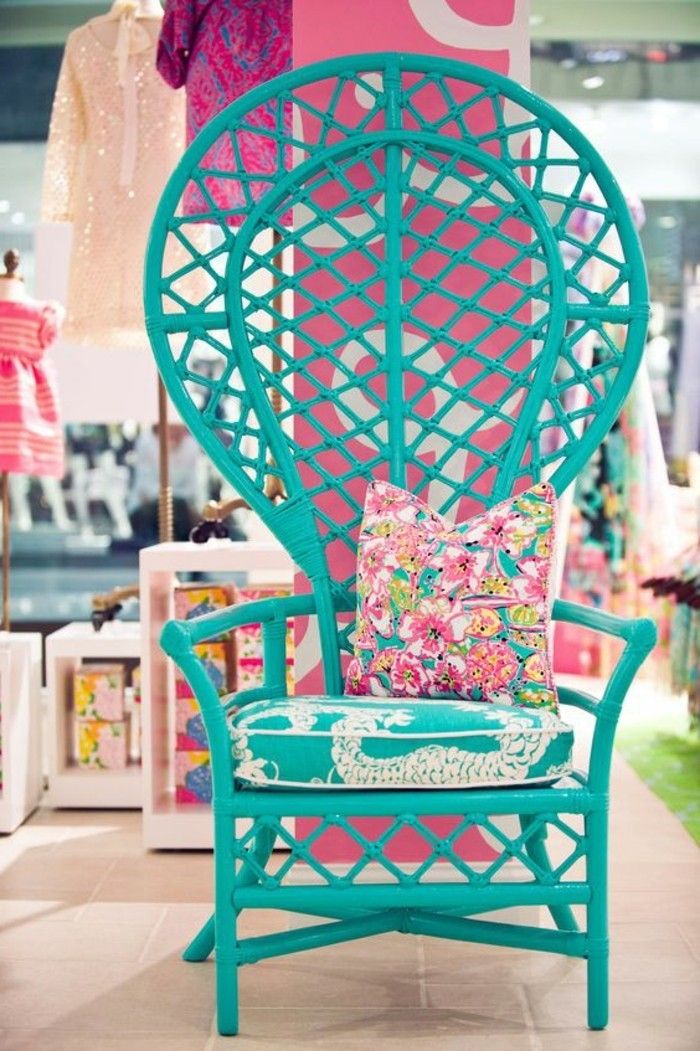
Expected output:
(31, 435)
(220, 49)
(449, 610)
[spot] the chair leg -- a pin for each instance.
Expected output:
(597, 920)
(225, 927)
(202, 945)
(562, 915)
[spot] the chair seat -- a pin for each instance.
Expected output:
(367, 742)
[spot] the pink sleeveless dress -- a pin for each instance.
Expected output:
(31, 435)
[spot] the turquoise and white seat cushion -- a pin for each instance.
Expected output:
(362, 742)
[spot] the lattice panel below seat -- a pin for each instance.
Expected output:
(367, 856)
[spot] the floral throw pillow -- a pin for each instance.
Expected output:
(448, 610)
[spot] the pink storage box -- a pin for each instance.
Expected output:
(192, 777)
(190, 735)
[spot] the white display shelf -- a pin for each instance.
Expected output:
(167, 824)
(69, 784)
(20, 725)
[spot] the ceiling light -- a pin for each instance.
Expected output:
(536, 20)
(667, 222)
(4, 207)
(591, 83)
(17, 218)
(568, 63)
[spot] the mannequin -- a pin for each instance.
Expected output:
(116, 134)
(13, 288)
(31, 436)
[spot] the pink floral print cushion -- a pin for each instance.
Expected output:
(449, 610)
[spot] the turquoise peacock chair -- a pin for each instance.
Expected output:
(402, 292)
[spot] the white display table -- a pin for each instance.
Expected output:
(69, 784)
(167, 824)
(20, 726)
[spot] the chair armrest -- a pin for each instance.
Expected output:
(639, 635)
(178, 633)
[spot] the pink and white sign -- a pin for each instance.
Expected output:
(488, 33)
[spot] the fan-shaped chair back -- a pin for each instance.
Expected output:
(435, 280)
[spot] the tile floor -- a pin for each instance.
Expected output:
(92, 927)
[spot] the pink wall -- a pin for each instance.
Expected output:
(489, 33)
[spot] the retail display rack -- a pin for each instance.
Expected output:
(71, 785)
(168, 824)
(21, 778)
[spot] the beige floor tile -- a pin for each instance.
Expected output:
(389, 1029)
(15, 911)
(668, 958)
(37, 876)
(619, 1037)
(52, 1040)
(690, 933)
(122, 819)
(165, 997)
(165, 877)
(482, 1005)
(631, 960)
(658, 905)
(146, 913)
(181, 922)
(459, 963)
(675, 877)
(76, 940)
(635, 1007)
(338, 976)
(640, 931)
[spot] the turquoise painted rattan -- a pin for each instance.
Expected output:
(435, 299)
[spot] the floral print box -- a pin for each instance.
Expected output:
(102, 745)
(192, 777)
(194, 600)
(249, 637)
(98, 692)
(219, 663)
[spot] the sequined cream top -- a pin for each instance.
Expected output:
(110, 150)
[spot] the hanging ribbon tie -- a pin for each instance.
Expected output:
(132, 38)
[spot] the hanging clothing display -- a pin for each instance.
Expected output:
(624, 517)
(686, 417)
(623, 520)
(31, 435)
(220, 49)
(682, 585)
(116, 134)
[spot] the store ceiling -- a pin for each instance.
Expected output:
(25, 22)
(619, 46)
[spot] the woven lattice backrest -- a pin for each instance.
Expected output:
(409, 287)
